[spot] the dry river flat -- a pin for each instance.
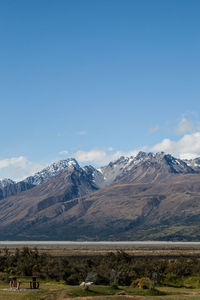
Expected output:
(102, 248)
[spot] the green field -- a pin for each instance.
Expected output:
(50, 290)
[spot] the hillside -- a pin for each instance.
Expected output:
(149, 197)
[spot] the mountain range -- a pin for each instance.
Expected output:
(146, 197)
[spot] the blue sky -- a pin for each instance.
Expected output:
(97, 79)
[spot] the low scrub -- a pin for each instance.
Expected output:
(113, 269)
(173, 280)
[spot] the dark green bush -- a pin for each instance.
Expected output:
(4, 276)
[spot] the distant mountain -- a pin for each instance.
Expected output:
(150, 196)
(32, 206)
(10, 188)
(5, 182)
(168, 210)
(194, 163)
(145, 167)
(95, 176)
(114, 171)
(51, 171)
(14, 188)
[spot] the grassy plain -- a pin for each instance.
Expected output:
(57, 291)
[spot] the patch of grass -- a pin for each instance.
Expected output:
(173, 280)
(92, 291)
(146, 292)
(155, 292)
(52, 290)
(192, 282)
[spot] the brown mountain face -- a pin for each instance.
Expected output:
(150, 197)
(26, 208)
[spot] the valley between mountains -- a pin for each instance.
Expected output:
(147, 197)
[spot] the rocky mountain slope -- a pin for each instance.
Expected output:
(51, 171)
(194, 163)
(145, 167)
(14, 188)
(9, 187)
(5, 182)
(150, 196)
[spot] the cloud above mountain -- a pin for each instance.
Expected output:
(18, 168)
(187, 146)
(102, 156)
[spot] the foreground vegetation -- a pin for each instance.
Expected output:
(115, 275)
(57, 291)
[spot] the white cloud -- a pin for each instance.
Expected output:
(63, 152)
(102, 156)
(17, 168)
(185, 126)
(186, 147)
(93, 156)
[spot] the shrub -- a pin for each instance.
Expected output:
(4, 277)
(173, 280)
(142, 283)
(114, 286)
(72, 279)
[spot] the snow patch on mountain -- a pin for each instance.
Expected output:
(5, 182)
(193, 163)
(51, 171)
(95, 176)
(126, 165)
(115, 170)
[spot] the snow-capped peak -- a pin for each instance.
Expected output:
(130, 165)
(6, 181)
(51, 171)
(62, 164)
(193, 163)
